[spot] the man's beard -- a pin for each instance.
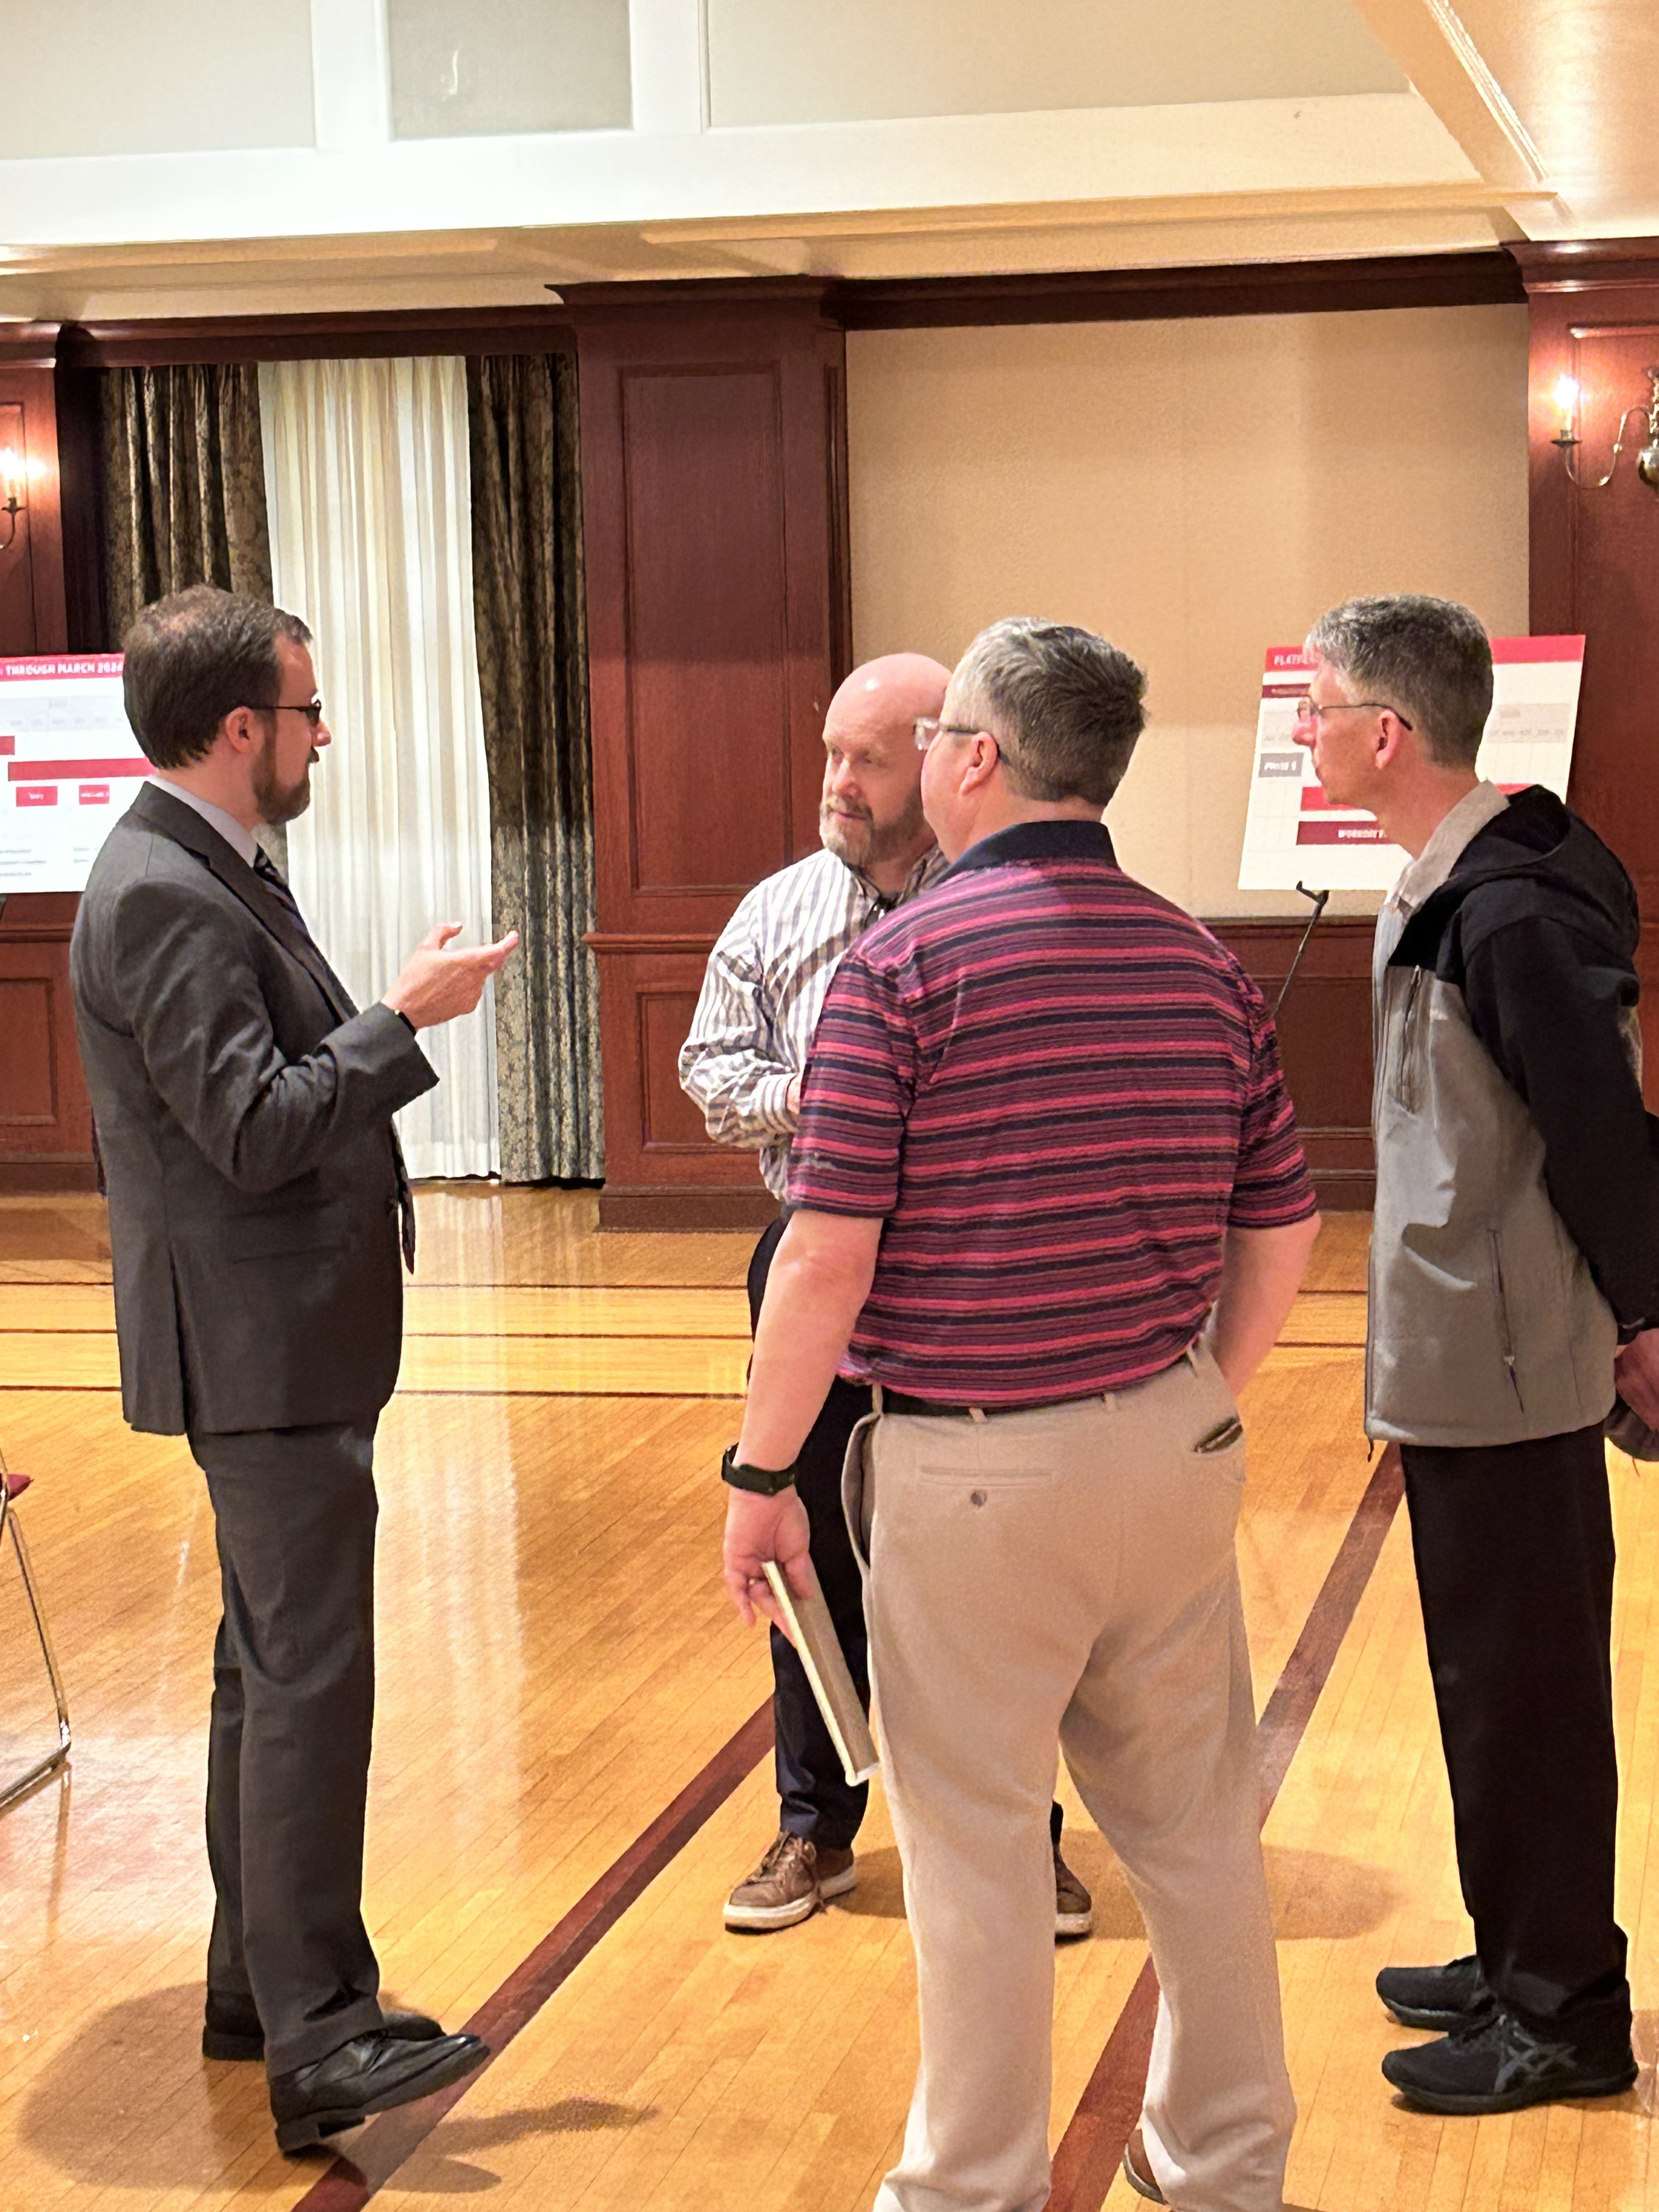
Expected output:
(277, 802)
(861, 842)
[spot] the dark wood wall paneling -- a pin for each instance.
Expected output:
(1324, 1042)
(692, 435)
(1595, 554)
(715, 487)
(714, 526)
(46, 1123)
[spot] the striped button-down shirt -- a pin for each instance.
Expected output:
(762, 994)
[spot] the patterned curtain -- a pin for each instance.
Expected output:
(184, 484)
(183, 492)
(532, 672)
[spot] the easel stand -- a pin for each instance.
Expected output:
(1320, 901)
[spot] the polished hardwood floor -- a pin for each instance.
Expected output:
(569, 1774)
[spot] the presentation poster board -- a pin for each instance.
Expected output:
(70, 767)
(1292, 833)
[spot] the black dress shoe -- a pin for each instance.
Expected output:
(1494, 2064)
(232, 2030)
(370, 2073)
(1435, 1996)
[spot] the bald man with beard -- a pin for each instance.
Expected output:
(742, 1062)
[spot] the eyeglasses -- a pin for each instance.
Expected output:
(928, 726)
(311, 709)
(1306, 711)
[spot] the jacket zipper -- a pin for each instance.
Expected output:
(1405, 1089)
(1505, 1335)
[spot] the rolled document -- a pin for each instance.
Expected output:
(807, 1624)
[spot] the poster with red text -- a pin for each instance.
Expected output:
(70, 767)
(1292, 833)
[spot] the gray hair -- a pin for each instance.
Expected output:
(1428, 659)
(1065, 706)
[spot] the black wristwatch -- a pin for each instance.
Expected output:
(764, 1481)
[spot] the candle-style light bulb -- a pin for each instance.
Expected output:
(1566, 403)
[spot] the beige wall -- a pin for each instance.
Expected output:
(1198, 490)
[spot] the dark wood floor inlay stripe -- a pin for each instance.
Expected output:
(389, 2141)
(1088, 2156)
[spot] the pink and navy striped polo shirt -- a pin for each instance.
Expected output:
(1060, 1092)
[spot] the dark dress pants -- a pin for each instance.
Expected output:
(1515, 1558)
(817, 1800)
(293, 1715)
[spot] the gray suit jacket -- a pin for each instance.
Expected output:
(243, 1108)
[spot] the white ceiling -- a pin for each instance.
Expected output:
(880, 137)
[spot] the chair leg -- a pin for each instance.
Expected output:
(15, 1788)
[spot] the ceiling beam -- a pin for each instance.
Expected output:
(1428, 40)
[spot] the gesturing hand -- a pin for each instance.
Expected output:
(438, 983)
(757, 1529)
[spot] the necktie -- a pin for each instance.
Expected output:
(274, 881)
(277, 883)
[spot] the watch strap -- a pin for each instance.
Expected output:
(764, 1481)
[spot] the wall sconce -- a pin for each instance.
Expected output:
(1566, 438)
(14, 491)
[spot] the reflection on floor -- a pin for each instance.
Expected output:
(558, 1667)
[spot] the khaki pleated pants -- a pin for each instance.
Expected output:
(1065, 1581)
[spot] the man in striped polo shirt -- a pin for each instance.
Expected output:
(1052, 1208)
(743, 1062)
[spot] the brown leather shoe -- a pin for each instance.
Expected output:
(1138, 2173)
(1075, 1908)
(789, 1884)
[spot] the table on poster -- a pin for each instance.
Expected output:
(1293, 834)
(70, 767)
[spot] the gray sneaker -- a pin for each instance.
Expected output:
(789, 1884)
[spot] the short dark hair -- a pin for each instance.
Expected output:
(1430, 658)
(1066, 705)
(193, 657)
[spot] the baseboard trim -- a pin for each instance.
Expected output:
(1345, 1190)
(46, 1173)
(681, 1208)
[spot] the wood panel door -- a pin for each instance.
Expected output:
(1595, 316)
(714, 503)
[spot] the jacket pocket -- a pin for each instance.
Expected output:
(276, 1234)
(1501, 1307)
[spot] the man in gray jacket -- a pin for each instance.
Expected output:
(243, 1107)
(1516, 1246)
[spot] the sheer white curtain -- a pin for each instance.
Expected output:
(370, 510)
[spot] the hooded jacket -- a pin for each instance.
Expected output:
(1517, 1230)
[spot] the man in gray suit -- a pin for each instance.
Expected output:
(257, 1198)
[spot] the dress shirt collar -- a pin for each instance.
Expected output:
(1424, 876)
(241, 841)
(1062, 839)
